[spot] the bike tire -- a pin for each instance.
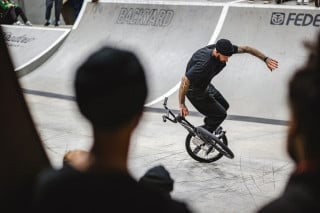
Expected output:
(197, 152)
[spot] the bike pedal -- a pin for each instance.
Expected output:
(221, 134)
(218, 130)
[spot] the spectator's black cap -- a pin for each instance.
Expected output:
(157, 178)
(225, 47)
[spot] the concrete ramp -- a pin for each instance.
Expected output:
(31, 46)
(163, 35)
(255, 93)
(279, 32)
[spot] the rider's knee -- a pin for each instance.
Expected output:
(224, 115)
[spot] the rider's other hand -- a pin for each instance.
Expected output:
(272, 64)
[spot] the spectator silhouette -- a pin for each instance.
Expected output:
(302, 190)
(71, 10)
(159, 179)
(22, 156)
(110, 91)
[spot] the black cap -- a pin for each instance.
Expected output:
(158, 178)
(225, 47)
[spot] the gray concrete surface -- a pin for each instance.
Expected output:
(163, 47)
(164, 53)
(261, 166)
(256, 174)
(259, 92)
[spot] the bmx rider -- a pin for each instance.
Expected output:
(204, 64)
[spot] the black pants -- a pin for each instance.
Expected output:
(211, 104)
(15, 13)
(76, 5)
(57, 9)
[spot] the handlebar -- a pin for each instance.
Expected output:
(175, 118)
(168, 113)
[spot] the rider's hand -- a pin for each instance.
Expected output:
(184, 110)
(272, 64)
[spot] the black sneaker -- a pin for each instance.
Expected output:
(218, 131)
(47, 23)
(56, 24)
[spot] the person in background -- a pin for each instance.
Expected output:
(57, 11)
(111, 90)
(301, 193)
(13, 11)
(75, 5)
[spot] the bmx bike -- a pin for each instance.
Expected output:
(201, 145)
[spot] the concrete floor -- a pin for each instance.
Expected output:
(257, 174)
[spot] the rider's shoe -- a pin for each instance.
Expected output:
(218, 130)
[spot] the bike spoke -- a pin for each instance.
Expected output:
(196, 150)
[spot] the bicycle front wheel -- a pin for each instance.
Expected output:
(200, 150)
(206, 147)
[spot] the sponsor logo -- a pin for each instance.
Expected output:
(295, 19)
(17, 39)
(277, 18)
(143, 16)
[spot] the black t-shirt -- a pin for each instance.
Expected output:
(68, 190)
(202, 67)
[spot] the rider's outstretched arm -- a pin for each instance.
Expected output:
(182, 95)
(271, 63)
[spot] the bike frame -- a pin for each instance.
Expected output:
(177, 119)
(204, 135)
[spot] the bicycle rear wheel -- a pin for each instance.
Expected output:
(210, 150)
